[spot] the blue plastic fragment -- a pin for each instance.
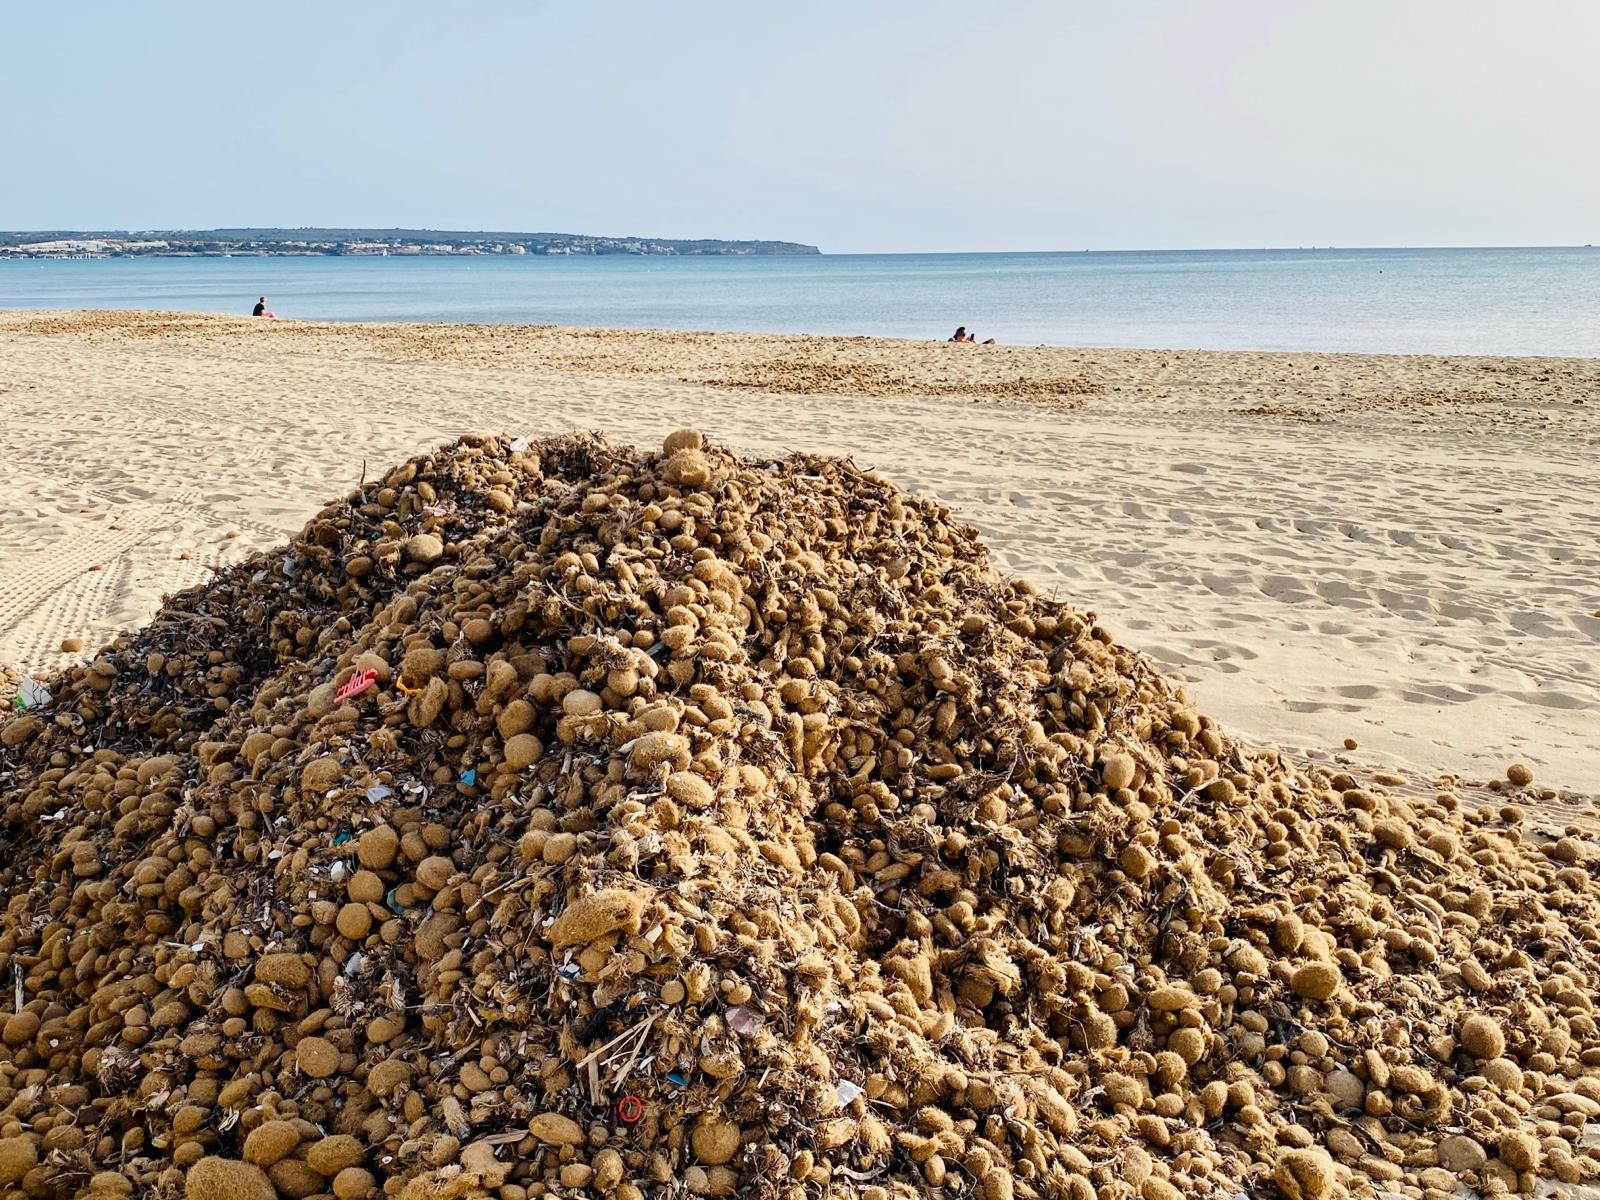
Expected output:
(677, 1079)
(341, 838)
(469, 776)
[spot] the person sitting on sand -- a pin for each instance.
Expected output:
(260, 310)
(960, 334)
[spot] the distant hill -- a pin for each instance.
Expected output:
(316, 240)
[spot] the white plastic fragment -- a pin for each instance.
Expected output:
(32, 694)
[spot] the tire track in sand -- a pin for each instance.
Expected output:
(33, 588)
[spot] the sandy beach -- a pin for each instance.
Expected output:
(1402, 551)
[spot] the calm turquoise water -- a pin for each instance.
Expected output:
(1519, 301)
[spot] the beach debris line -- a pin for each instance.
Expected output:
(726, 828)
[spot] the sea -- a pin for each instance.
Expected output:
(1543, 301)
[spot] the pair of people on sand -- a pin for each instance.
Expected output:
(961, 335)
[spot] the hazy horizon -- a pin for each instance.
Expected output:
(895, 127)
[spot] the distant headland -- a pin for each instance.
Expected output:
(263, 243)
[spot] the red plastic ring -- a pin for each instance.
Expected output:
(629, 1109)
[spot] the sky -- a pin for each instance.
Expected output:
(855, 125)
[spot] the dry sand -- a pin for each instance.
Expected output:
(1400, 550)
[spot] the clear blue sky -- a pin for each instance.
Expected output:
(853, 124)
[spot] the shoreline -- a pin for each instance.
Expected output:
(1398, 549)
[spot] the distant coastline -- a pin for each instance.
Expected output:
(333, 242)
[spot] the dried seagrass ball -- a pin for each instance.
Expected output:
(435, 871)
(320, 774)
(317, 1057)
(688, 468)
(352, 1183)
(1305, 1174)
(334, 1153)
(18, 1156)
(425, 548)
(556, 1129)
(1136, 860)
(1519, 1150)
(1504, 1074)
(270, 1141)
(1460, 1154)
(522, 751)
(1118, 770)
(682, 439)
(714, 1141)
(1316, 980)
(377, 847)
(386, 1076)
(291, 1177)
(227, 1179)
(1481, 1037)
(109, 1185)
(20, 1028)
(608, 1169)
(597, 914)
(283, 968)
(1170, 998)
(353, 921)
(690, 789)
